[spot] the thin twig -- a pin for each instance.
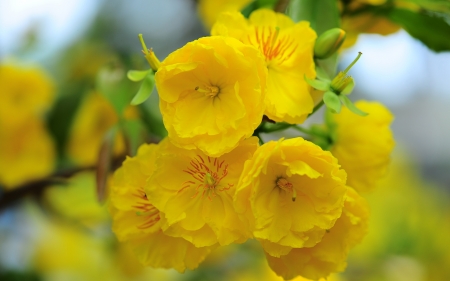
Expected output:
(281, 6)
(37, 187)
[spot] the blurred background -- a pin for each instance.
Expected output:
(60, 232)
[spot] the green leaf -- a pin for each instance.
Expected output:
(348, 103)
(332, 102)
(257, 4)
(440, 6)
(145, 90)
(322, 14)
(432, 30)
(247, 10)
(134, 133)
(112, 83)
(326, 69)
(63, 113)
(317, 84)
(137, 75)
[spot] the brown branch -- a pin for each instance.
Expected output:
(37, 187)
(281, 6)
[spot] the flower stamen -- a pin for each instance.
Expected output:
(285, 185)
(206, 176)
(145, 209)
(209, 91)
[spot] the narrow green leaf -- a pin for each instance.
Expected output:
(247, 10)
(137, 75)
(332, 102)
(432, 30)
(257, 4)
(326, 69)
(322, 14)
(440, 6)
(145, 90)
(134, 130)
(317, 84)
(112, 83)
(348, 103)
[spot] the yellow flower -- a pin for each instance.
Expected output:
(209, 10)
(211, 94)
(195, 193)
(25, 93)
(26, 153)
(94, 118)
(367, 22)
(330, 254)
(288, 51)
(363, 144)
(65, 252)
(83, 206)
(290, 192)
(137, 222)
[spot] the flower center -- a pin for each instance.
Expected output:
(209, 91)
(143, 208)
(206, 176)
(273, 46)
(285, 185)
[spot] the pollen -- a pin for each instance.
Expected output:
(285, 185)
(209, 91)
(207, 175)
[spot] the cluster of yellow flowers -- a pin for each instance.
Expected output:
(210, 183)
(26, 149)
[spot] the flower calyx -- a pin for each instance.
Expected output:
(146, 76)
(337, 90)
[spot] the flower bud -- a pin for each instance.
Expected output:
(328, 43)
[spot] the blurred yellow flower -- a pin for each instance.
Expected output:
(366, 23)
(288, 50)
(26, 149)
(63, 252)
(291, 192)
(330, 254)
(363, 144)
(27, 153)
(212, 94)
(94, 118)
(354, 23)
(137, 222)
(25, 93)
(409, 226)
(83, 206)
(195, 193)
(209, 10)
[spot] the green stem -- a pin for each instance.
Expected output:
(353, 63)
(303, 130)
(317, 107)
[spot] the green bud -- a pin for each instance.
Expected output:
(328, 43)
